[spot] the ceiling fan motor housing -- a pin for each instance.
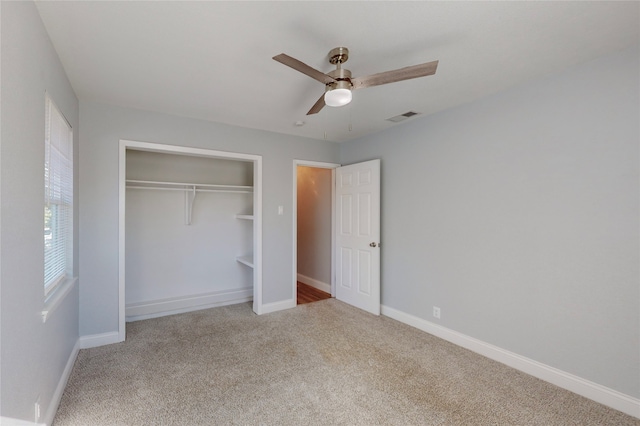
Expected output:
(342, 79)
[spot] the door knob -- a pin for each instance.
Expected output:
(372, 244)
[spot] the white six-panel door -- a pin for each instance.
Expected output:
(358, 235)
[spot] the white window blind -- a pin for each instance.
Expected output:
(58, 197)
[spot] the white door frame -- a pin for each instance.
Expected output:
(318, 165)
(183, 150)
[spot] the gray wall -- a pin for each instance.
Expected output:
(103, 126)
(314, 223)
(518, 216)
(33, 354)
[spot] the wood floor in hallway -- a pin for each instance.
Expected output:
(308, 294)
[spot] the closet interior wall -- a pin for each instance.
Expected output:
(181, 255)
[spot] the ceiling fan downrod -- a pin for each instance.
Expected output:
(338, 92)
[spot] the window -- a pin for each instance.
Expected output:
(58, 197)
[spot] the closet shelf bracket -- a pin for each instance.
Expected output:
(189, 198)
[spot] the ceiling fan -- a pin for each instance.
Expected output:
(339, 84)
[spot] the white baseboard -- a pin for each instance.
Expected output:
(50, 414)
(95, 340)
(278, 306)
(315, 283)
(606, 396)
(8, 421)
(182, 304)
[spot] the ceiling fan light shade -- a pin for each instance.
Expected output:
(337, 97)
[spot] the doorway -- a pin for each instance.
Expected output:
(313, 261)
(355, 249)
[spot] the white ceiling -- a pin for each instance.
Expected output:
(212, 60)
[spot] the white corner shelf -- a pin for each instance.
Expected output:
(246, 260)
(244, 216)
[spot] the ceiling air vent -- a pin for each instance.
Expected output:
(403, 117)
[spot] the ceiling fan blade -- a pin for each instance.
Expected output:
(414, 71)
(303, 68)
(317, 106)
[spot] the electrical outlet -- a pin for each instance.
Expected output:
(36, 410)
(436, 312)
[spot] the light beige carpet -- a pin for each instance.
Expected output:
(323, 363)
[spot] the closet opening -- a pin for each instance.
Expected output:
(190, 230)
(313, 231)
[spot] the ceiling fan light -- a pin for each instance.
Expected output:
(337, 97)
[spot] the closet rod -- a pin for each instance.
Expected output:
(185, 184)
(243, 191)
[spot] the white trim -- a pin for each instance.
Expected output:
(268, 308)
(333, 232)
(122, 191)
(609, 397)
(315, 283)
(257, 234)
(182, 304)
(179, 149)
(319, 165)
(7, 421)
(55, 299)
(95, 340)
(62, 383)
(183, 150)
